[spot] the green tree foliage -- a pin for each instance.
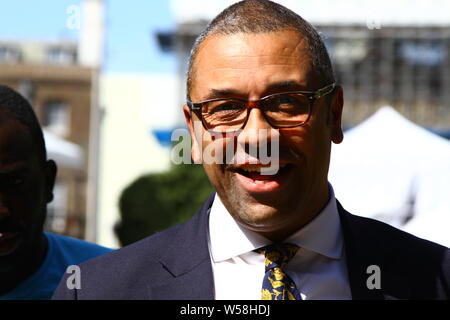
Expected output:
(157, 201)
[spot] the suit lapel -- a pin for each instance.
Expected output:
(187, 261)
(194, 284)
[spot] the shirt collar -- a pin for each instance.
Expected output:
(228, 239)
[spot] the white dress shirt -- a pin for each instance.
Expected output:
(318, 269)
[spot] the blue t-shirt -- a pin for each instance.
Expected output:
(62, 252)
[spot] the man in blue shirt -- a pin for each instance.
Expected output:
(32, 262)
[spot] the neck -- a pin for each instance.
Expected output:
(22, 265)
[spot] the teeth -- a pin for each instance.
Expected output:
(258, 169)
(252, 169)
(259, 182)
(7, 234)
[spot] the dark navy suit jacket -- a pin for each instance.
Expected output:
(175, 264)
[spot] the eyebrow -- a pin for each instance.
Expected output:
(14, 169)
(222, 93)
(289, 85)
(277, 86)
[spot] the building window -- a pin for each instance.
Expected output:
(61, 55)
(425, 54)
(57, 118)
(407, 68)
(9, 54)
(348, 51)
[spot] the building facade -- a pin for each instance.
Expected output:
(384, 53)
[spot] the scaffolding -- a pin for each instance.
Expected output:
(406, 67)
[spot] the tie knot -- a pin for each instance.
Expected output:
(278, 254)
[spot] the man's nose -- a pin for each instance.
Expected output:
(256, 131)
(256, 120)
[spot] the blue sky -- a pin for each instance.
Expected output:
(130, 44)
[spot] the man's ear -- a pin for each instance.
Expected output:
(195, 135)
(50, 176)
(337, 104)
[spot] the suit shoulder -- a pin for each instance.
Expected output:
(126, 272)
(144, 251)
(401, 257)
(399, 248)
(386, 234)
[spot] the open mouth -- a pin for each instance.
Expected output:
(255, 180)
(257, 174)
(9, 241)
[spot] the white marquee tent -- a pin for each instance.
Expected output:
(390, 169)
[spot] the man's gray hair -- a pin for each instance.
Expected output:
(263, 16)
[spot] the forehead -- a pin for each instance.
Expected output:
(16, 143)
(252, 62)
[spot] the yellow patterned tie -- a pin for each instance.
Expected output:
(277, 285)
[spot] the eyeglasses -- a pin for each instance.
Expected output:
(280, 110)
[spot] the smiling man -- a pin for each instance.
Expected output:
(259, 67)
(244, 66)
(31, 261)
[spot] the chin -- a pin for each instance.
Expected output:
(258, 217)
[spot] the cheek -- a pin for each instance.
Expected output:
(22, 206)
(213, 151)
(218, 149)
(297, 140)
(32, 199)
(215, 175)
(310, 144)
(15, 205)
